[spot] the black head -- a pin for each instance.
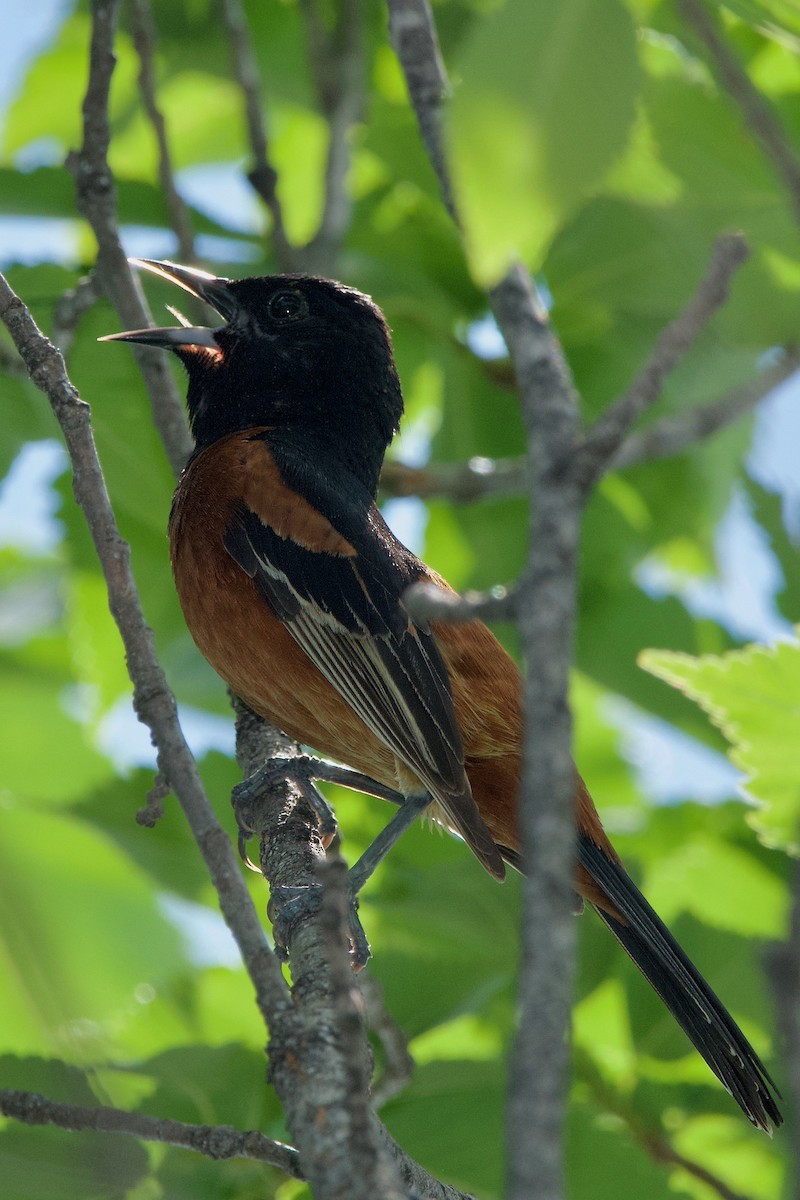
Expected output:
(296, 352)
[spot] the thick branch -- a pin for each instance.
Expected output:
(214, 1141)
(760, 117)
(144, 37)
(604, 439)
(546, 610)
(347, 1153)
(96, 199)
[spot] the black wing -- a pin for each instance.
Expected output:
(347, 614)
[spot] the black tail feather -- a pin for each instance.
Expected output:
(701, 1015)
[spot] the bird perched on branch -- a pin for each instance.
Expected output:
(292, 586)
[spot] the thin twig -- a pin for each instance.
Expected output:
(96, 200)
(783, 965)
(427, 602)
(398, 1066)
(153, 701)
(144, 39)
(214, 1141)
(262, 175)
(413, 34)
(661, 1152)
(652, 1141)
(546, 613)
(71, 307)
(674, 435)
(498, 478)
(337, 63)
(759, 116)
(604, 439)
(460, 483)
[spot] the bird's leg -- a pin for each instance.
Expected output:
(303, 770)
(411, 807)
(289, 904)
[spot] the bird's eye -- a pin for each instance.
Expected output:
(285, 306)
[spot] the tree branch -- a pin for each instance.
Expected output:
(546, 613)
(96, 200)
(144, 39)
(349, 1153)
(214, 1141)
(262, 175)
(336, 60)
(71, 307)
(399, 1065)
(461, 483)
(601, 443)
(153, 701)
(672, 435)
(652, 1141)
(413, 35)
(497, 478)
(427, 602)
(759, 116)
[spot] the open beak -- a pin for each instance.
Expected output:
(205, 287)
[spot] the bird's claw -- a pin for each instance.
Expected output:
(287, 905)
(297, 769)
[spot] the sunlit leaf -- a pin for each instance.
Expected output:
(751, 695)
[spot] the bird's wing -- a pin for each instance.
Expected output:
(340, 596)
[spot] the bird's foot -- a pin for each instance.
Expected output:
(288, 905)
(300, 770)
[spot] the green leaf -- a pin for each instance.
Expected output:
(37, 732)
(81, 933)
(721, 885)
(751, 695)
(450, 1118)
(61, 73)
(519, 114)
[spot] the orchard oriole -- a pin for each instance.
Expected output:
(292, 587)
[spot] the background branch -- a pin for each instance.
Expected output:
(604, 439)
(413, 34)
(759, 116)
(145, 38)
(153, 701)
(494, 478)
(338, 67)
(213, 1141)
(96, 200)
(262, 175)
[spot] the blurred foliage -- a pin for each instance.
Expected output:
(590, 137)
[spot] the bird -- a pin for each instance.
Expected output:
(292, 586)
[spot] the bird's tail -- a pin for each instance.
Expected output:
(703, 1018)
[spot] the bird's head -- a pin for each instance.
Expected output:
(292, 351)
